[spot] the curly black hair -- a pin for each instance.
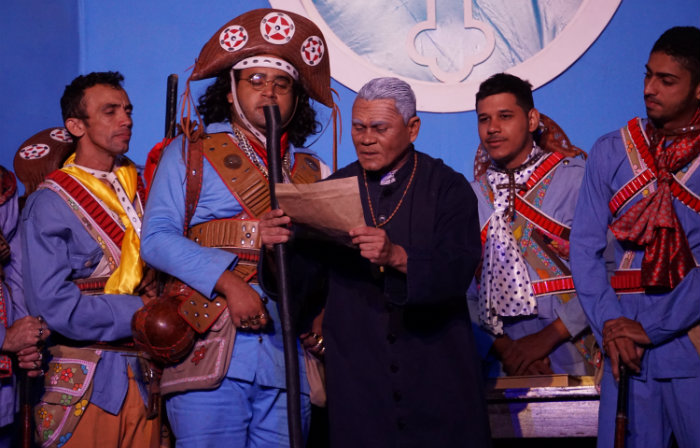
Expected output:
(214, 107)
(72, 100)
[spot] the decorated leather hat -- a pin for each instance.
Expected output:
(284, 34)
(41, 154)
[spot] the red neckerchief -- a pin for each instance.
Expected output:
(262, 152)
(652, 222)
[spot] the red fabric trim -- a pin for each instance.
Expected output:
(8, 184)
(542, 170)
(262, 152)
(537, 217)
(678, 190)
(5, 360)
(627, 281)
(622, 281)
(555, 285)
(629, 190)
(530, 212)
(92, 285)
(80, 194)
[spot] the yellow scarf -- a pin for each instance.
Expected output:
(128, 274)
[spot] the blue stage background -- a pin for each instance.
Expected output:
(47, 43)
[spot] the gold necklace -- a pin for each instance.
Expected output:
(396, 209)
(244, 144)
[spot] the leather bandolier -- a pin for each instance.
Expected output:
(206, 365)
(544, 242)
(69, 381)
(626, 280)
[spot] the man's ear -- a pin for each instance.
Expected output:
(413, 128)
(533, 120)
(75, 126)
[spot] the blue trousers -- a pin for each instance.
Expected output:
(657, 409)
(237, 414)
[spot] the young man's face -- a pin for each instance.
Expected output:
(505, 129)
(107, 128)
(252, 100)
(379, 134)
(670, 96)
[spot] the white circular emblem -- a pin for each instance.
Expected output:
(277, 28)
(61, 135)
(35, 151)
(446, 49)
(312, 50)
(233, 38)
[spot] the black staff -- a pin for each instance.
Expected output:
(622, 404)
(273, 133)
(171, 107)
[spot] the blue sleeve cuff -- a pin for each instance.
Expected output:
(573, 317)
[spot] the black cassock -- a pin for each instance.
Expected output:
(401, 363)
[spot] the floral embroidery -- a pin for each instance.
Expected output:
(67, 375)
(54, 380)
(46, 421)
(77, 386)
(199, 355)
(47, 433)
(63, 439)
(57, 367)
(65, 400)
(84, 368)
(80, 407)
(526, 242)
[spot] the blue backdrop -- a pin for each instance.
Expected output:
(48, 43)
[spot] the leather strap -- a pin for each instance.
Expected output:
(250, 187)
(227, 233)
(193, 180)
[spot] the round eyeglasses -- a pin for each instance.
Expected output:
(258, 81)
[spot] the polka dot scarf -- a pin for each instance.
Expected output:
(505, 289)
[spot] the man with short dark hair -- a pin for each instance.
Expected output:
(642, 183)
(532, 319)
(401, 364)
(84, 276)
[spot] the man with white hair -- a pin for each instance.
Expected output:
(401, 365)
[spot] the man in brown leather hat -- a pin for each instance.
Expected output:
(215, 189)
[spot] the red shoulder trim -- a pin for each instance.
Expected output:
(80, 194)
(632, 187)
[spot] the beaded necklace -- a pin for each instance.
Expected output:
(244, 144)
(396, 209)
